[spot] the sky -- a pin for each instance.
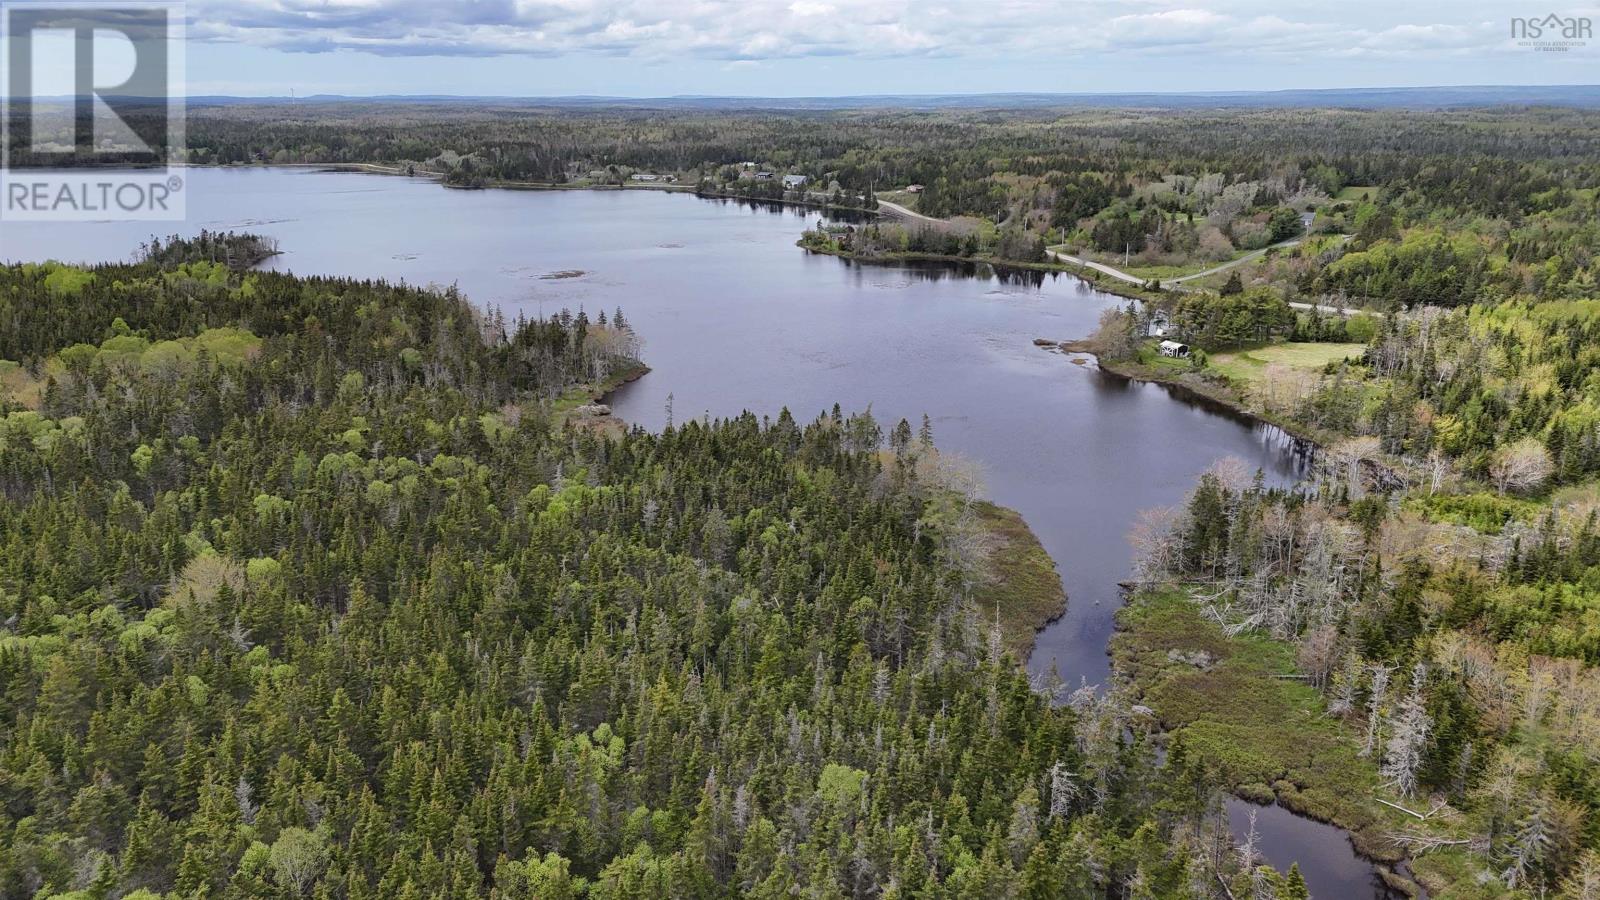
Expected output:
(777, 48)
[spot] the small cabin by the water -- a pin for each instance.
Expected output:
(1174, 349)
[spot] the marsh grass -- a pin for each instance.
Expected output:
(1249, 714)
(1025, 587)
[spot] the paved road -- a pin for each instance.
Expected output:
(1254, 254)
(1134, 279)
(1334, 310)
(896, 211)
(1174, 283)
(1098, 267)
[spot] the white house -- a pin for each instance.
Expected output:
(1174, 349)
(794, 181)
(644, 176)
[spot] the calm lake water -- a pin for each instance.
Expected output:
(735, 317)
(1327, 860)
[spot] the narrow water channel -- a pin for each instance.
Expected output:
(735, 317)
(1324, 853)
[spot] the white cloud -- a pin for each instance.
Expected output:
(807, 8)
(731, 30)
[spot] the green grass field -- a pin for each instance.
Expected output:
(1164, 273)
(1151, 359)
(1357, 192)
(1247, 367)
(904, 198)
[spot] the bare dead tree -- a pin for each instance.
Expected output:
(1409, 731)
(1522, 466)
(1378, 687)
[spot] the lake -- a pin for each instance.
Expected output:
(734, 316)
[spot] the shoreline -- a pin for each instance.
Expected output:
(1085, 274)
(1022, 612)
(804, 204)
(1023, 589)
(580, 395)
(502, 185)
(1154, 625)
(1392, 868)
(1389, 473)
(1217, 394)
(1204, 391)
(627, 376)
(902, 257)
(1026, 593)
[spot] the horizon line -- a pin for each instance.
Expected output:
(931, 95)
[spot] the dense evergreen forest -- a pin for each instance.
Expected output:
(307, 592)
(311, 587)
(970, 152)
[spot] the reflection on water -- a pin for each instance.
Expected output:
(848, 216)
(1324, 853)
(939, 270)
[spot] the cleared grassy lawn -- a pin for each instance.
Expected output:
(1166, 272)
(1163, 273)
(904, 198)
(1150, 357)
(1357, 192)
(1246, 367)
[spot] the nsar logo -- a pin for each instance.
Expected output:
(1555, 33)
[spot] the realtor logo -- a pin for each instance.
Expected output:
(1552, 33)
(91, 107)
